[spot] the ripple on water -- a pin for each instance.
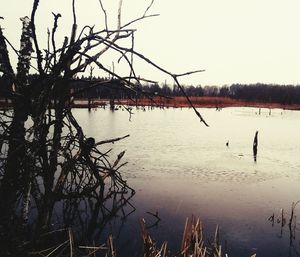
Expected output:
(241, 169)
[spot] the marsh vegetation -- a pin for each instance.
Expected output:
(64, 190)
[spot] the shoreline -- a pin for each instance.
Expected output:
(181, 102)
(176, 102)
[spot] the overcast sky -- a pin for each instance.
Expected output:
(235, 41)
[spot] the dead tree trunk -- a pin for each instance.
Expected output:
(17, 173)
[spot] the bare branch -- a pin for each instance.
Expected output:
(111, 140)
(38, 52)
(56, 16)
(105, 15)
(147, 9)
(188, 73)
(118, 30)
(138, 19)
(189, 100)
(74, 26)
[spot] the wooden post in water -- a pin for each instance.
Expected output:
(255, 143)
(112, 102)
(89, 104)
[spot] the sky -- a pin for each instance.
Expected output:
(234, 41)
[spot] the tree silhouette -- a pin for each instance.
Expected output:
(46, 158)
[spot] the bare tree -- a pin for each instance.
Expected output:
(49, 159)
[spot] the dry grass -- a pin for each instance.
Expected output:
(209, 102)
(193, 244)
(180, 101)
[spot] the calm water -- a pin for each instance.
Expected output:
(179, 167)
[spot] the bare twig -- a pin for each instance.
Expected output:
(111, 140)
(38, 52)
(147, 9)
(56, 16)
(105, 15)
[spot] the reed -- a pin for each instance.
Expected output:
(193, 244)
(289, 220)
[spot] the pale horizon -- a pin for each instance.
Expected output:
(233, 41)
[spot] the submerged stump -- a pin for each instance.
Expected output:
(255, 144)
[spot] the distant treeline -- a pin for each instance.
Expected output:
(259, 92)
(284, 94)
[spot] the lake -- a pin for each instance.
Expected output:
(180, 168)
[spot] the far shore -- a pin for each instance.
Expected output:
(176, 102)
(181, 102)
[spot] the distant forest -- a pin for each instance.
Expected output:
(259, 92)
(109, 88)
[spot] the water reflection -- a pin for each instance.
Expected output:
(63, 191)
(286, 222)
(178, 168)
(83, 220)
(89, 216)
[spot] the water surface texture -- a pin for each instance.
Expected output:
(180, 168)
